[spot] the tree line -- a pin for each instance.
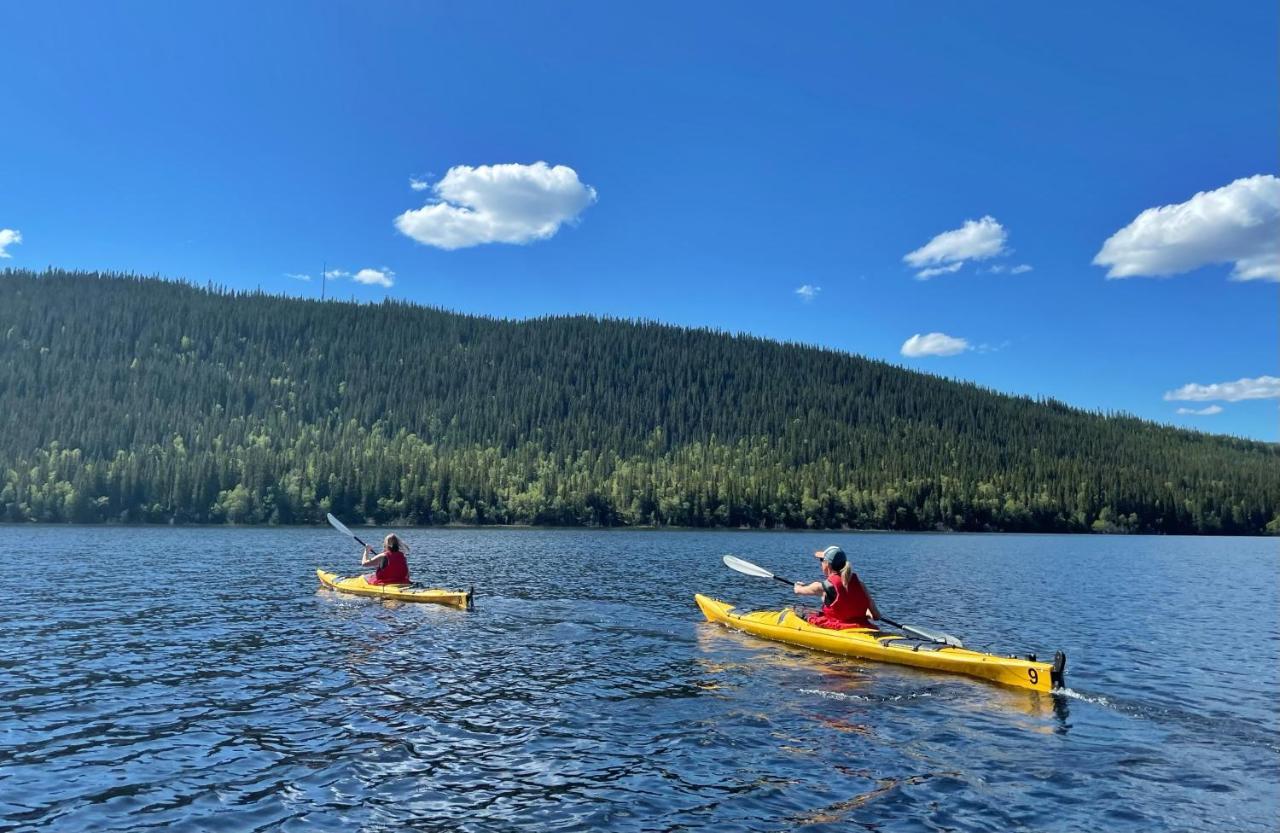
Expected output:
(128, 399)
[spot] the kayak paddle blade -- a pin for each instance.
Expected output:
(749, 569)
(934, 636)
(338, 525)
(746, 567)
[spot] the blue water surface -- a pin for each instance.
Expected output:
(199, 679)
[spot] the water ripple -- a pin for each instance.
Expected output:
(589, 696)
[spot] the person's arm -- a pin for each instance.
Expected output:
(871, 603)
(371, 560)
(814, 589)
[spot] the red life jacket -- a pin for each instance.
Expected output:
(394, 569)
(849, 609)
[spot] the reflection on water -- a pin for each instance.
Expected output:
(838, 811)
(585, 697)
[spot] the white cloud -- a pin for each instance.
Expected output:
(975, 240)
(8, 237)
(1209, 411)
(297, 277)
(368, 276)
(934, 344)
(497, 204)
(1263, 387)
(379, 277)
(1001, 268)
(418, 184)
(1238, 223)
(808, 292)
(939, 270)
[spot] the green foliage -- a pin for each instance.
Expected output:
(140, 400)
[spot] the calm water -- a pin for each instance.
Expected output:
(584, 692)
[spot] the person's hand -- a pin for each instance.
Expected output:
(799, 588)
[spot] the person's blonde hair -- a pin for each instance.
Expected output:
(392, 543)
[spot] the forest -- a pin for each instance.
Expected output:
(130, 399)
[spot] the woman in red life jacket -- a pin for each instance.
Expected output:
(392, 568)
(846, 602)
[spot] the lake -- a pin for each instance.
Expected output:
(199, 679)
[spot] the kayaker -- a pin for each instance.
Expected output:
(392, 568)
(846, 602)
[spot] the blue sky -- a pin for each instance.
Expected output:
(703, 162)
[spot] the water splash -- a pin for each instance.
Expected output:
(1087, 698)
(868, 698)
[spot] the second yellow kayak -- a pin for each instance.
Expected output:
(786, 626)
(357, 586)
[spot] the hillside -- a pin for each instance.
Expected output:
(143, 400)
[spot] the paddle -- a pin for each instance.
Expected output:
(341, 527)
(749, 569)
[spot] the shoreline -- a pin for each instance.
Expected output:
(648, 529)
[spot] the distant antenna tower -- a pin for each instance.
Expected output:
(324, 273)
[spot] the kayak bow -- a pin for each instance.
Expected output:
(867, 643)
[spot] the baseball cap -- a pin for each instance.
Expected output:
(834, 557)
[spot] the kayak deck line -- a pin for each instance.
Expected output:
(357, 586)
(871, 644)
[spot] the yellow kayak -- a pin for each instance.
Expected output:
(357, 586)
(866, 643)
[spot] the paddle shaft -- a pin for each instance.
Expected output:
(358, 541)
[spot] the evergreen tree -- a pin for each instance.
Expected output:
(128, 399)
